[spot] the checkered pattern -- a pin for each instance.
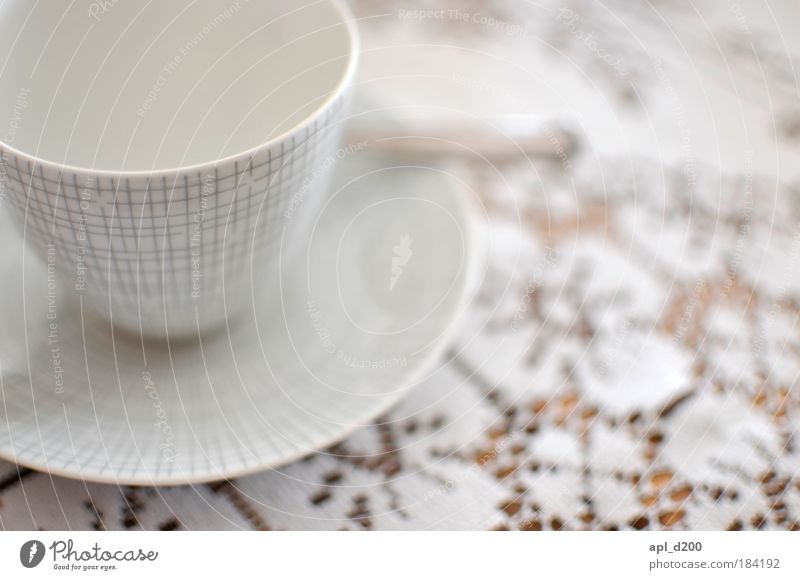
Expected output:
(163, 252)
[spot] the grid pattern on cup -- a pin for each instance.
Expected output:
(167, 242)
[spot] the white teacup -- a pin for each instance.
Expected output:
(159, 154)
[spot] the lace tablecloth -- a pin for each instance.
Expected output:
(631, 358)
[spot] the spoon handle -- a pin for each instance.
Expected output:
(491, 137)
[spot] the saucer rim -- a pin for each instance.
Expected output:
(475, 254)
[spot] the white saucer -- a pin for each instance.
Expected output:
(354, 320)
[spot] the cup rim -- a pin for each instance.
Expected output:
(348, 19)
